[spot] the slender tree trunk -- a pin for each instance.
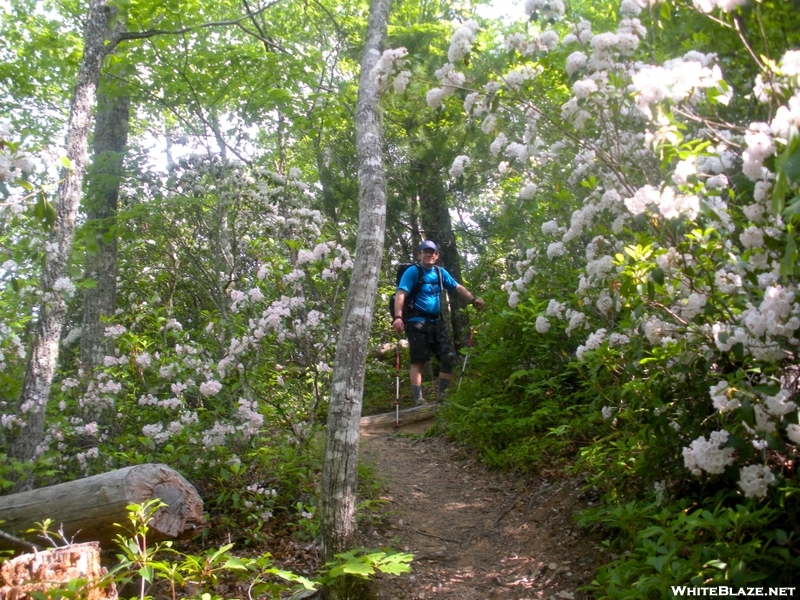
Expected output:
(44, 352)
(102, 196)
(339, 477)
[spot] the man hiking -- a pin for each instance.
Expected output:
(424, 327)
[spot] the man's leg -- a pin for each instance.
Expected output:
(419, 354)
(415, 374)
(447, 358)
(444, 381)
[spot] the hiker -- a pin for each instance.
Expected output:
(424, 327)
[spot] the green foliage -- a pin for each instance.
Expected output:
(364, 563)
(519, 397)
(729, 543)
(162, 567)
(159, 569)
(350, 572)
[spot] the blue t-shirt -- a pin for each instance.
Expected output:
(427, 298)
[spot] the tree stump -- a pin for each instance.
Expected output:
(49, 570)
(87, 509)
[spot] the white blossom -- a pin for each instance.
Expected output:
(542, 324)
(210, 388)
(460, 163)
(708, 455)
(755, 479)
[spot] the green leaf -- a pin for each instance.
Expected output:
(790, 253)
(781, 537)
(790, 161)
(517, 374)
(395, 568)
(650, 532)
(657, 562)
(146, 573)
(779, 191)
(358, 567)
(658, 275)
(236, 563)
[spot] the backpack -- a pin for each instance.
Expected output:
(411, 296)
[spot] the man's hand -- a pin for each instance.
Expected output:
(398, 323)
(478, 303)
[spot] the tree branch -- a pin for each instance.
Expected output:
(140, 35)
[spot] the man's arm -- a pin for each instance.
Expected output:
(399, 302)
(469, 297)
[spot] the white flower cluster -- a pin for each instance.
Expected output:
(542, 324)
(669, 204)
(10, 345)
(389, 63)
(754, 480)
(593, 342)
(252, 419)
(12, 162)
(462, 41)
(114, 331)
(549, 9)
(210, 388)
(545, 42)
(708, 454)
(64, 285)
(460, 163)
(724, 397)
(678, 80)
(450, 80)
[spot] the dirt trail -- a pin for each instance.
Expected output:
(475, 534)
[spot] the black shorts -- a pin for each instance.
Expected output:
(426, 338)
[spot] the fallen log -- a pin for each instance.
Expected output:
(406, 416)
(47, 571)
(387, 350)
(87, 509)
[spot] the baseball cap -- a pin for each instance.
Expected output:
(428, 245)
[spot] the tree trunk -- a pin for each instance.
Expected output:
(435, 218)
(43, 572)
(339, 478)
(44, 352)
(88, 509)
(102, 196)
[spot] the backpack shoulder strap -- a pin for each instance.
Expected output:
(420, 280)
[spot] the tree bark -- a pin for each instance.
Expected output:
(102, 197)
(44, 352)
(339, 476)
(88, 509)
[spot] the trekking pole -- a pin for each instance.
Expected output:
(397, 384)
(466, 357)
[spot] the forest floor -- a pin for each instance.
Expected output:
(476, 534)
